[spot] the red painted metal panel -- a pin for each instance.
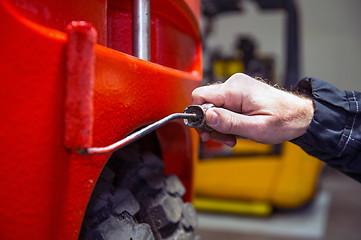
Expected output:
(58, 14)
(44, 188)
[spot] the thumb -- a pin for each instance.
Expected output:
(228, 122)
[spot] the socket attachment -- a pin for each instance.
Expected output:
(199, 121)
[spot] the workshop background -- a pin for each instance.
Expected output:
(329, 49)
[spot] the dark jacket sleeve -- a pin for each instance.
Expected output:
(334, 135)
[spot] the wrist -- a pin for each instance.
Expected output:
(304, 117)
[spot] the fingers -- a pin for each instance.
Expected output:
(231, 123)
(208, 94)
(229, 140)
(204, 135)
(227, 126)
(228, 95)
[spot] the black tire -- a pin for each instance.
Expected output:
(134, 200)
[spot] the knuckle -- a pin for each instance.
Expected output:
(239, 78)
(198, 95)
(233, 79)
(196, 92)
(237, 75)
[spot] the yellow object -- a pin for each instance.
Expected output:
(246, 146)
(286, 180)
(225, 68)
(230, 206)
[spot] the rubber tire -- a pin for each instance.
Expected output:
(134, 200)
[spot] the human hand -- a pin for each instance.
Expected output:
(251, 109)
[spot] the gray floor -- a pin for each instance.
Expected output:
(334, 214)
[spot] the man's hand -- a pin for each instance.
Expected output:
(248, 108)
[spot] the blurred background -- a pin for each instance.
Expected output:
(277, 192)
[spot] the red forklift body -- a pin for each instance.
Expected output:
(44, 185)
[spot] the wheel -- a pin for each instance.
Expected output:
(134, 200)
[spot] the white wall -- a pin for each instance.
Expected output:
(332, 41)
(330, 38)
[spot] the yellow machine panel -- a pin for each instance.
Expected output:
(257, 179)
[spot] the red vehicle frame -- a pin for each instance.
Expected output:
(45, 185)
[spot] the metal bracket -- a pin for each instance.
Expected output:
(80, 68)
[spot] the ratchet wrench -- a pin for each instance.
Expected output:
(193, 115)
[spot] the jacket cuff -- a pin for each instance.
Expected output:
(331, 124)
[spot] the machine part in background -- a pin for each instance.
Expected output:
(285, 181)
(215, 8)
(231, 206)
(254, 65)
(245, 59)
(292, 38)
(133, 199)
(211, 8)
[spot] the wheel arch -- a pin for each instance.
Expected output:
(179, 145)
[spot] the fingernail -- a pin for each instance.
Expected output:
(212, 119)
(205, 136)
